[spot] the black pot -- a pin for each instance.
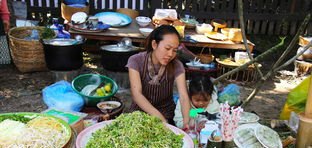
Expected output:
(63, 54)
(115, 58)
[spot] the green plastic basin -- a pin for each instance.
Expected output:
(88, 79)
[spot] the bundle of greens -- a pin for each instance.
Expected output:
(135, 130)
(47, 33)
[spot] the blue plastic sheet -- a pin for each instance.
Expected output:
(60, 95)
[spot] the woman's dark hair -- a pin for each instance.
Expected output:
(201, 85)
(157, 34)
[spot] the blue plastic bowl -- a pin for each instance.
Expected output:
(86, 79)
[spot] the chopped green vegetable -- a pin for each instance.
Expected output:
(135, 130)
(15, 118)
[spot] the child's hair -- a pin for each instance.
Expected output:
(201, 85)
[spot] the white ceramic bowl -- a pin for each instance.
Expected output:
(146, 31)
(143, 21)
(203, 28)
(79, 17)
(108, 106)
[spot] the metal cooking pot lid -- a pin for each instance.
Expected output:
(61, 42)
(116, 48)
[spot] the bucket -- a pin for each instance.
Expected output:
(63, 57)
(115, 58)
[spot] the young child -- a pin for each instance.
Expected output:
(203, 95)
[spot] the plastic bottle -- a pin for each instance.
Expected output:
(192, 126)
(54, 25)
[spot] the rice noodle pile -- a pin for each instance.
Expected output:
(41, 132)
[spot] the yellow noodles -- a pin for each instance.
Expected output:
(41, 132)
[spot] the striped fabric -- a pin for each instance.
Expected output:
(160, 96)
(111, 3)
(4, 51)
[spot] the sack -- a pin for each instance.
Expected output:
(230, 94)
(60, 95)
(296, 99)
(5, 57)
(19, 9)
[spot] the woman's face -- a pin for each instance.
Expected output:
(166, 49)
(199, 101)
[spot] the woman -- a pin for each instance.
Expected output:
(4, 28)
(152, 74)
(4, 17)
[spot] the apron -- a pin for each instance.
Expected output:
(160, 96)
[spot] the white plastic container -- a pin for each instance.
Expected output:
(203, 28)
(241, 57)
(205, 133)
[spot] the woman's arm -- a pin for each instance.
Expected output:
(139, 98)
(184, 98)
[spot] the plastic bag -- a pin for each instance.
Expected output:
(68, 116)
(60, 95)
(296, 99)
(230, 94)
(33, 36)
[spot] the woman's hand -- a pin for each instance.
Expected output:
(185, 127)
(139, 98)
(6, 26)
(184, 99)
(201, 125)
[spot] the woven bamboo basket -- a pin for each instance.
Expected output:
(206, 58)
(27, 55)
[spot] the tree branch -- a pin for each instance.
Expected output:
(294, 40)
(253, 93)
(258, 58)
(294, 58)
(274, 69)
(242, 25)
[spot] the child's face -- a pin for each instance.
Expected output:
(199, 101)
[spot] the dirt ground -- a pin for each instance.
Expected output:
(21, 92)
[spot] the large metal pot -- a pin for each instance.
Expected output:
(115, 57)
(63, 54)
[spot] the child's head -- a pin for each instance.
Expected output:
(200, 89)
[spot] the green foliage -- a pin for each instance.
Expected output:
(47, 33)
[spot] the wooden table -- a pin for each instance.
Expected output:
(132, 31)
